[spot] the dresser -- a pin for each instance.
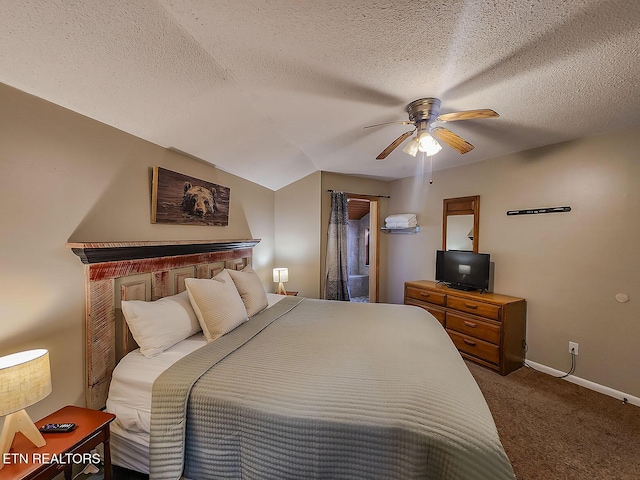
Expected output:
(487, 328)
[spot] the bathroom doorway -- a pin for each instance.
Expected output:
(362, 246)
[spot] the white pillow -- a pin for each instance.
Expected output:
(250, 289)
(158, 325)
(217, 304)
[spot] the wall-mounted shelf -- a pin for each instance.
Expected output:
(99, 252)
(404, 231)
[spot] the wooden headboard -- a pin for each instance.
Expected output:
(139, 271)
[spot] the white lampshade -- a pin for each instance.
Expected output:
(423, 142)
(411, 148)
(428, 144)
(25, 378)
(280, 275)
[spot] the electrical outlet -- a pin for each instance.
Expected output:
(573, 348)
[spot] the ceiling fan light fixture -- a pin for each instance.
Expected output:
(428, 144)
(412, 147)
(423, 113)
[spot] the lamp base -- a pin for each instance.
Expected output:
(18, 422)
(281, 290)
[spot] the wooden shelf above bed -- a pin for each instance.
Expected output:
(101, 252)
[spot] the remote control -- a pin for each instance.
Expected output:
(57, 427)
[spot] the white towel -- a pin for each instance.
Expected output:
(400, 217)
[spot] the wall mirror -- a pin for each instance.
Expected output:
(460, 223)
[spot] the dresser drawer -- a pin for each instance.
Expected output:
(477, 308)
(473, 346)
(426, 295)
(439, 314)
(474, 327)
(436, 312)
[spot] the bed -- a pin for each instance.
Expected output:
(303, 389)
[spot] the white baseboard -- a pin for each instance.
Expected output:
(586, 383)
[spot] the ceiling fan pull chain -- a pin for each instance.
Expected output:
(424, 158)
(430, 169)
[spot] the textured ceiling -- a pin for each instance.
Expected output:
(273, 90)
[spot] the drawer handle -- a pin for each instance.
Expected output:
(422, 294)
(470, 324)
(469, 342)
(472, 307)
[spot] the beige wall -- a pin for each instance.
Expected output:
(297, 243)
(63, 178)
(569, 266)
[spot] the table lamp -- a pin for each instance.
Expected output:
(281, 275)
(25, 379)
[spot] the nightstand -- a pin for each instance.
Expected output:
(292, 293)
(63, 450)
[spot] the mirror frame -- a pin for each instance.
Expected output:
(462, 206)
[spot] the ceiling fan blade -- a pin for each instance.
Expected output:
(454, 141)
(393, 145)
(406, 122)
(466, 115)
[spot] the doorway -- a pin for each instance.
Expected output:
(363, 236)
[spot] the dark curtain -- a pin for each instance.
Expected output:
(336, 285)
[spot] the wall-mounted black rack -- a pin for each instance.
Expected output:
(534, 211)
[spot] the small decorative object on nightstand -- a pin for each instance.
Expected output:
(281, 275)
(63, 449)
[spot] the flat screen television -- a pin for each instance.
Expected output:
(463, 270)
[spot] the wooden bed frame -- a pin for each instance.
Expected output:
(139, 271)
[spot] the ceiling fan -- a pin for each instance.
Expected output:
(423, 113)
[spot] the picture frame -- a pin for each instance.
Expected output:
(180, 199)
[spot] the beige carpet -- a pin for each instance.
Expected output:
(553, 429)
